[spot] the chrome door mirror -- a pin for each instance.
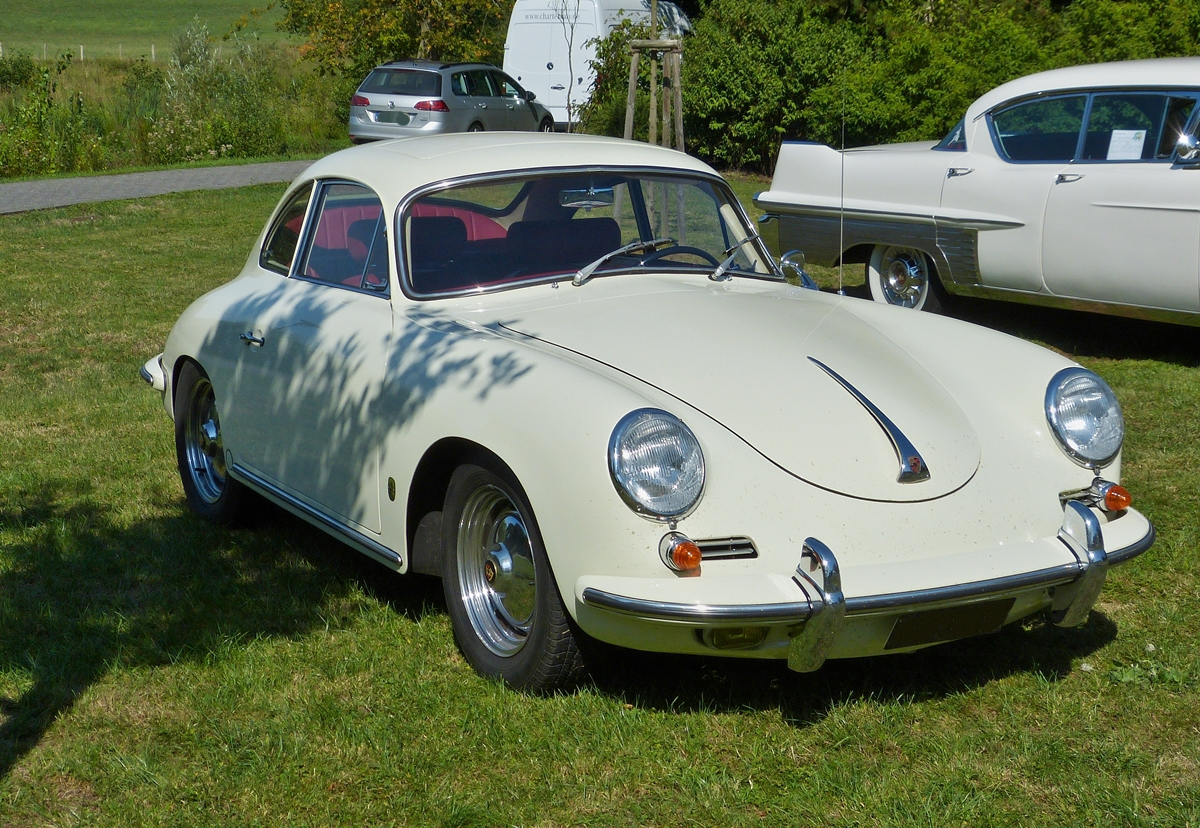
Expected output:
(1188, 148)
(794, 261)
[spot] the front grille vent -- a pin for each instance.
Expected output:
(717, 549)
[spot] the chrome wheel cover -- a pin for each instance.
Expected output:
(496, 574)
(904, 276)
(203, 448)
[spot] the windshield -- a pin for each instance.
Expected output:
(546, 227)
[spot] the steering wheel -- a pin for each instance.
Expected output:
(680, 248)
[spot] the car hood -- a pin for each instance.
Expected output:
(749, 360)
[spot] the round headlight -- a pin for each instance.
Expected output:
(656, 464)
(1085, 417)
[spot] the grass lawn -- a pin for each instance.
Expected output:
(157, 671)
(127, 28)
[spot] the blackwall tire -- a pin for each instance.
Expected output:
(504, 605)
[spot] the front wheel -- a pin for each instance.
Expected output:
(200, 450)
(547, 125)
(901, 276)
(475, 127)
(504, 606)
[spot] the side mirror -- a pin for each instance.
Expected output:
(529, 96)
(794, 260)
(1188, 148)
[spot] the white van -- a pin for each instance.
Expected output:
(543, 50)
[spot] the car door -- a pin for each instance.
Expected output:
(313, 371)
(1015, 157)
(1123, 223)
(520, 115)
(490, 109)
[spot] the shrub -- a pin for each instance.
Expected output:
(16, 69)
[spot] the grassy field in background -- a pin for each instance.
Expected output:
(155, 670)
(128, 28)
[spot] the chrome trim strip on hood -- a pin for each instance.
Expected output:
(913, 468)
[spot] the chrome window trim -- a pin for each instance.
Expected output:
(1189, 91)
(336, 528)
(320, 185)
(399, 244)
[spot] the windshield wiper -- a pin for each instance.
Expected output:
(718, 275)
(584, 273)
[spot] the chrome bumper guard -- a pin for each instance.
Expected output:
(824, 612)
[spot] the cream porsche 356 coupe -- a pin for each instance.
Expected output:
(1076, 187)
(564, 374)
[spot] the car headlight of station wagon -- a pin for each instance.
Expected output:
(1085, 417)
(656, 464)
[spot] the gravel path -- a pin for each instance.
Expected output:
(60, 192)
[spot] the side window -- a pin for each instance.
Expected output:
(280, 247)
(956, 139)
(1040, 130)
(479, 85)
(1124, 127)
(1179, 112)
(508, 89)
(349, 245)
(458, 84)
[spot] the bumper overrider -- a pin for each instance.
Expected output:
(823, 619)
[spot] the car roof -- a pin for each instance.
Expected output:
(395, 168)
(431, 65)
(1159, 72)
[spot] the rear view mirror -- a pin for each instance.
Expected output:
(529, 96)
(587, 199)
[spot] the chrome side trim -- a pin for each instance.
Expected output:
(784, 208)
(145, 375)
(874, 604)
(322, 521)
(912, 465)
(789, 613)
(1176, 317)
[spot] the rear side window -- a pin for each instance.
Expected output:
(348, 246)
(1135, 126)
(280, 248)
(956, 139)
(1041, 130)
(403, 82)
(472, 84)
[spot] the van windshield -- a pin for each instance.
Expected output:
(547, 227)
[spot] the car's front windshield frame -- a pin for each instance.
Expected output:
(720, 187)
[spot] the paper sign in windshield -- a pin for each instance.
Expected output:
(1126, 144)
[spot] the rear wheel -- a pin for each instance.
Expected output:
(504, 606)
(901, 276)
(200, 450)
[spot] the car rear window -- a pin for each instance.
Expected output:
(403, 82)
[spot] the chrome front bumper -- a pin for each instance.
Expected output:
(815, 623)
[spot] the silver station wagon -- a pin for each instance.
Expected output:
(421, 97)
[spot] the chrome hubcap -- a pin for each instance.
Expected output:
(496, 573)
(204, 451)
(904, 275)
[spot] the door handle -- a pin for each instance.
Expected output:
(954, 172)
(481, 106)
(1067, 178)
(250, 339)
(558, 87)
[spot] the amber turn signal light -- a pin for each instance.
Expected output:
(680, 553)
(1117, 498)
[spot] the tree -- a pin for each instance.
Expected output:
(567, 14)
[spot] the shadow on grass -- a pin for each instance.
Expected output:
(82, 596)
(1083, 334)
(726, 685)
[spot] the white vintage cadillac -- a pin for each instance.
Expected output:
(1077, 187)
(564, 374)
